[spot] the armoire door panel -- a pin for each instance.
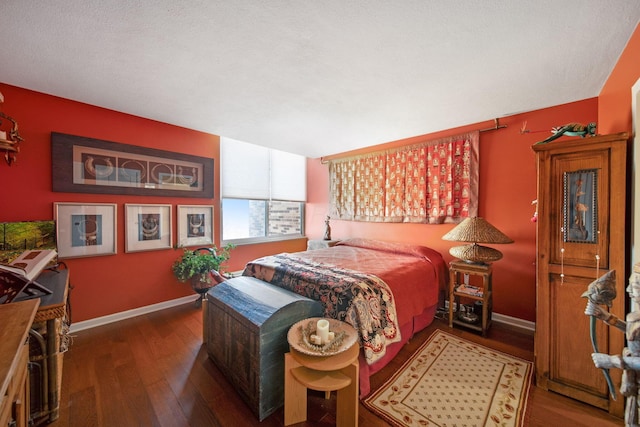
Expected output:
(571, 349)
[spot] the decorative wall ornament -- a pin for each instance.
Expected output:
(431, 182)
(570, 129)
(9, 137)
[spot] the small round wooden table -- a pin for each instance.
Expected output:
(323, 373)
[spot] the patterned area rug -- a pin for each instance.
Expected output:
(453, 382)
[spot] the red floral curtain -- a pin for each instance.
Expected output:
(369, 187)
(431, 182)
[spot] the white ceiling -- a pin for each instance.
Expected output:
(315, 77)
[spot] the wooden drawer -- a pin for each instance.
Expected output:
(16, 392)
(5, 410)
(16, 319)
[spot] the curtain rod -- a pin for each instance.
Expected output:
(496, 126)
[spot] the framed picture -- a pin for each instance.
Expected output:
(581, 206)
(86, 165)
(85, 229)
(147, 227)
(195, 225)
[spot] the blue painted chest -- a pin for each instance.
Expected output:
(246, 327)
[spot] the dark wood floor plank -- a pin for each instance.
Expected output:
(192, 403)
(154, 370)
(78, 371)
(135, 395)
(145, 361)
(229, 408)
(113, 409)
(83, 412)
(166, 404)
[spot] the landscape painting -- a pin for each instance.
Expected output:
(17, 237)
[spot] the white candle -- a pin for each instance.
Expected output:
(323, 330)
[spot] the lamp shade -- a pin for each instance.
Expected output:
(476, 253)
(476, 230)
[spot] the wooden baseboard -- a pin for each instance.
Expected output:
(514, 322)
(104, 320)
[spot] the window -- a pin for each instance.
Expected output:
(263, 193)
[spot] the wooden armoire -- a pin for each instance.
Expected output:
(580, 236)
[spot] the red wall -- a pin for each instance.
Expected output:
(507, 188)
(614, 109)
(106, 284)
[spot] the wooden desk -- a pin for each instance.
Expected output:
(16, 319)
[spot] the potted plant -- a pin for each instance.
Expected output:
(201, 267)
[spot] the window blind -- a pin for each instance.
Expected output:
(250, 171)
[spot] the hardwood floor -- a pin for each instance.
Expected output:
(153, 370)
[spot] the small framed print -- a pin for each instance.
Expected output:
(147, 227)
(195, 225)
(85, 229)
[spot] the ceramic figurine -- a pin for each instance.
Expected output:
(327, 229)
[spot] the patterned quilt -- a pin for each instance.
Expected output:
(362, 300)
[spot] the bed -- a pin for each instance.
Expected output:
(386, 291)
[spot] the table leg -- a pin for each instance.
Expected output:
(52, 365)
(205, 321)
(347, 399)
(295, 394)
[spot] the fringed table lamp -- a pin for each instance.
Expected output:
(476, 230)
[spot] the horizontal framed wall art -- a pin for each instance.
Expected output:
(85, 229)
(195, 225)
(147, 227)
(87, 165)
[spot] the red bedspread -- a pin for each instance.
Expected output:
(412, 277)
